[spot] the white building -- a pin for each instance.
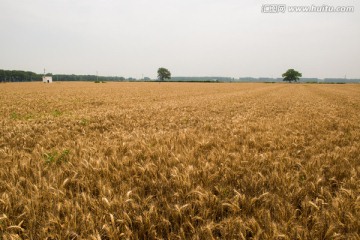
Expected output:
(47, 79)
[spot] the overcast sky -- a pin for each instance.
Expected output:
(132, 38)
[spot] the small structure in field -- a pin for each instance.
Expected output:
(47, 79)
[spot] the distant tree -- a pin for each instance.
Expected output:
(291, 75)
(2, 76)
(163, 74)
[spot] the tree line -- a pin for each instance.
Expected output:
(18, 76)
(26, 76)
(73, 77)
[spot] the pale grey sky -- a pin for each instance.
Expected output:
(189, 37)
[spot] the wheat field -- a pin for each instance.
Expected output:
(179, 161)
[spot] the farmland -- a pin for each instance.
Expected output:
(179, 161)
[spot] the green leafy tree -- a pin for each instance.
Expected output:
(291, 75)
(163, 74)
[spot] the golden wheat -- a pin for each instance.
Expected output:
(179, 161)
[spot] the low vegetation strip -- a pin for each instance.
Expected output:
(179, 161)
